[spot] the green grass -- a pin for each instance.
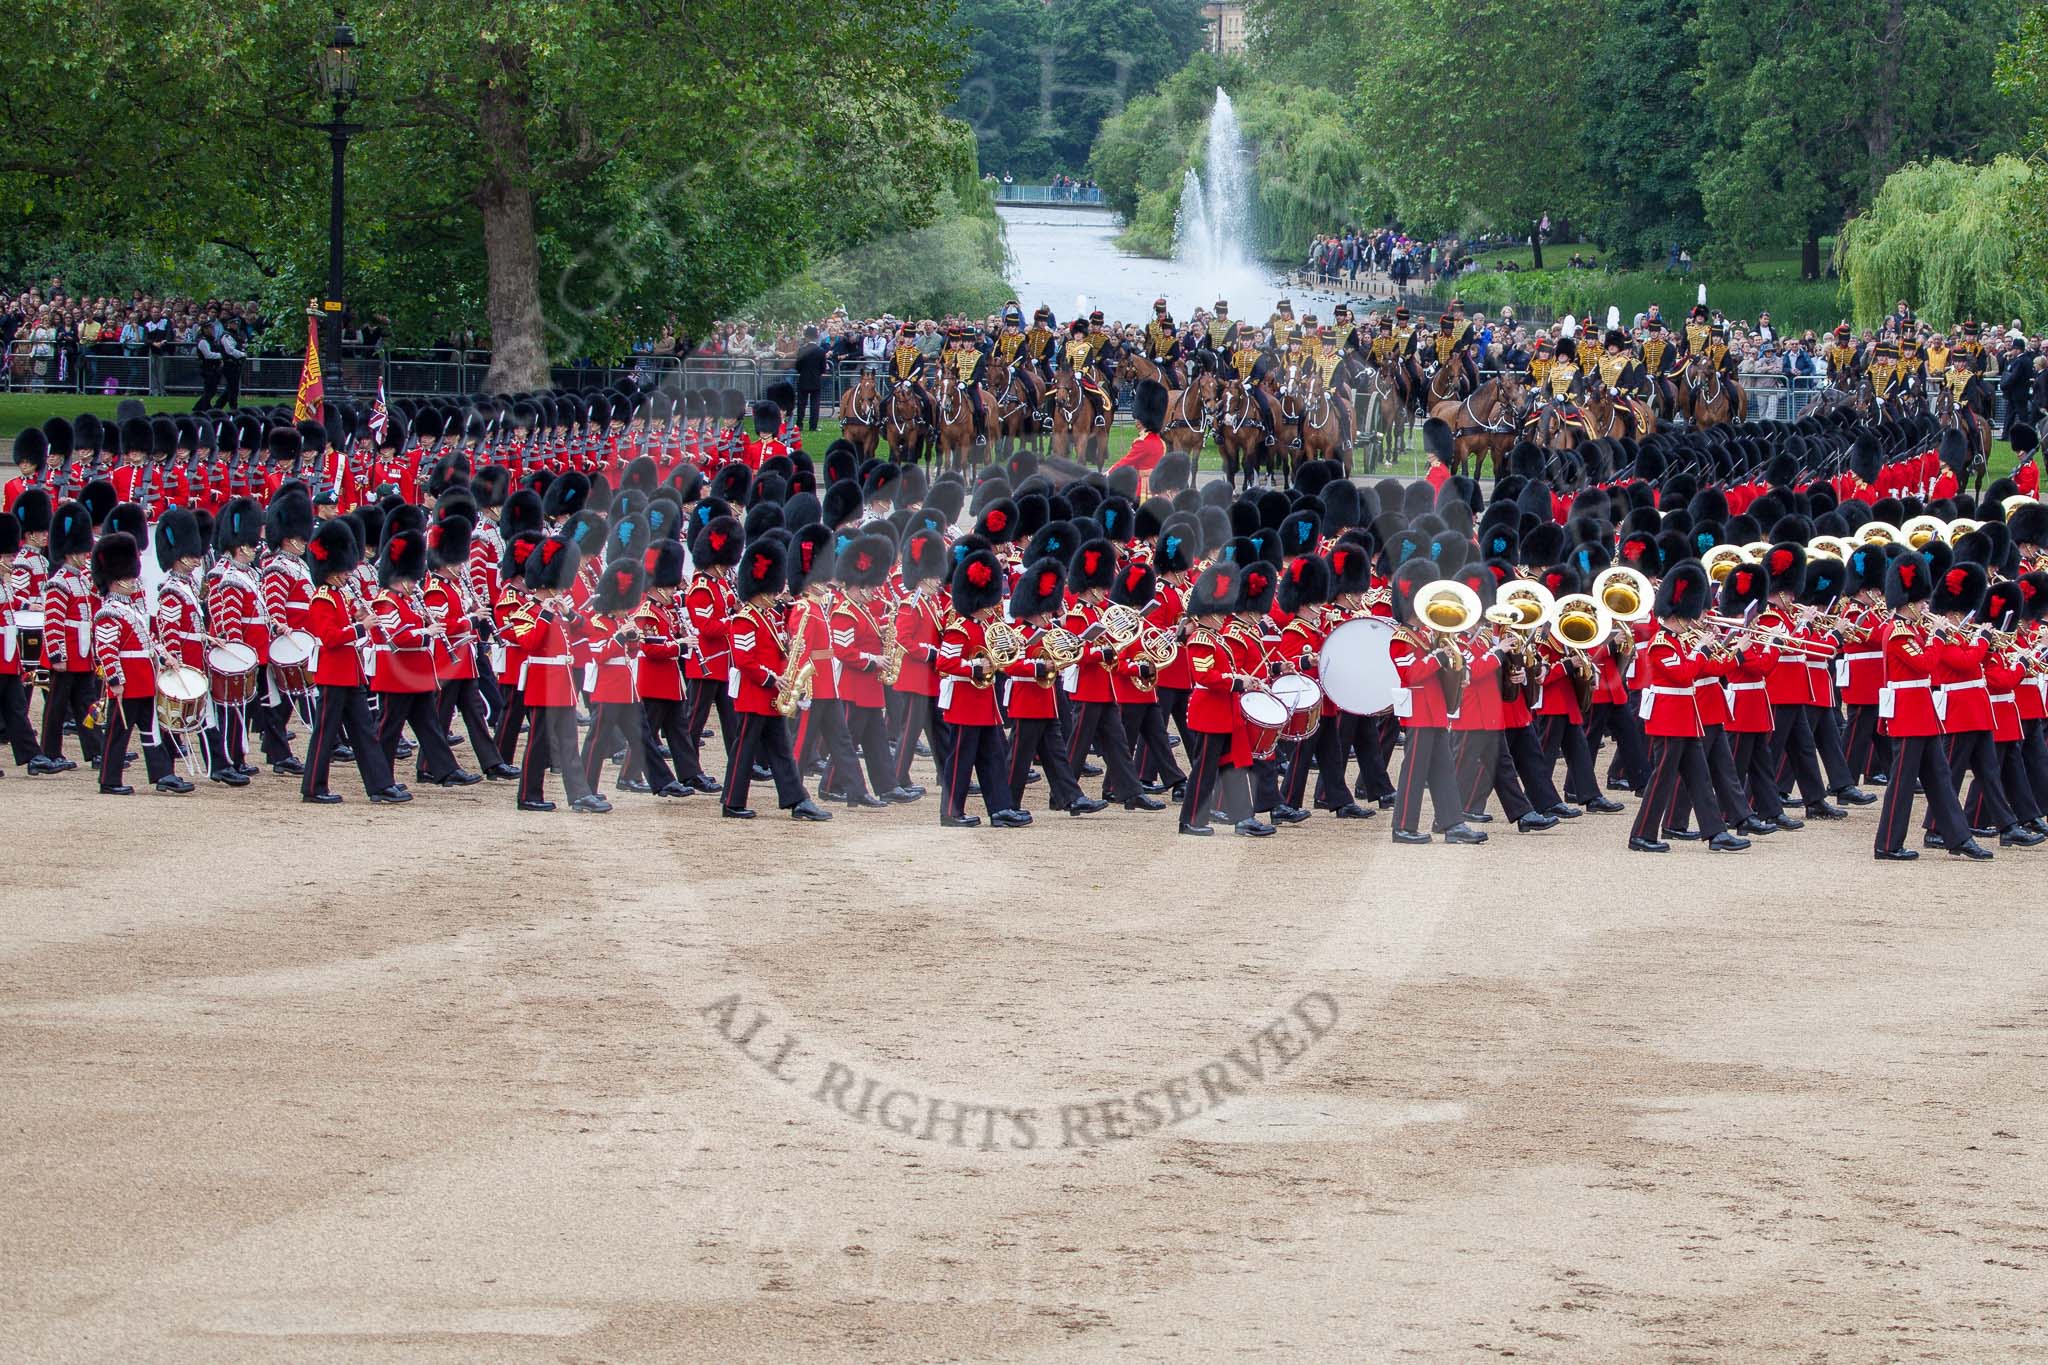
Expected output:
(18, 410)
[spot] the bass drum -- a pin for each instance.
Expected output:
(1357, 666)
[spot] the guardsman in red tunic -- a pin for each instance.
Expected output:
(13, 694)
(857, 656)
(182, 635)
(509, 660)
(1859, 672)
(605, 649)
(1032, 701)
(664, 632)
(1745, 684)
(31, 455)
(126, 659)
(1303, 596)
(1791, 684)
(131, 478)
(821, 727)
(2004, 609)
(765, 659)
(919, 613)
(235, 612)
(1427, 667)
(459, 662)
(1913, 646)
(710, 604)
(1962, 672)
(1672, 667)
(287, 583)
(68, 606)
(1097, 722)
(1212, 701)
(1134, 680)
(1492, 704)
(339, 622)
(1173, 559)
(969, 669)
(542, 629)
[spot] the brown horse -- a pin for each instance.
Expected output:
(1187, 410)
(1953, 415)
(1325, 435)
(860, 415)
(1017, 416)
(1080, 421)
(903, 425)
(1488, 422)
(1246, 442)
(1607, 415)
(1710, 397)
(959, 445)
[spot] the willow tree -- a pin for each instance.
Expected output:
(1947, 238)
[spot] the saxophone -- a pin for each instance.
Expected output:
(793, 687)
(893, 652)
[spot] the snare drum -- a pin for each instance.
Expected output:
(1304, 702)
(1265, 716)
(28, 647)
(181, 700)
(231, 673)
(291, 660)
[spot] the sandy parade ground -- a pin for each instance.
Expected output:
(450, 1083)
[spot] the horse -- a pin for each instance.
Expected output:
(1711, 398)
(1187, 409)
(1325, 435)
(1243, 437)
(860, 415)
(959, 445)
(1018, 415)
(1080, 421)
(1954, 415)
(1486, 422)
(1608, 415)
(903, 425)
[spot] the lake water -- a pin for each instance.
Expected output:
(1068, 260)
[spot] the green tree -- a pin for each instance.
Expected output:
(1641, 138)
(572, 170)
(1464, 97)
(2022, 75)
(1098, 55)
(1947, 238)
(999, 92)
(1812, 103)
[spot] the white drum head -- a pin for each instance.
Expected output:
(231, 658)
(1358, 670)
(182, 684)
(1262, 709)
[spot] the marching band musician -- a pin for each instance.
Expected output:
(1751, 720)
(1212, 701)
(69, 605)
(1134, 682)
(542, 627)
(919, 615)
(765, 659)
(1424, 708)
(711, 605)
(1912, 715)
(1965, 707)
(125, 656)
(1303, 595)
(604, 649)
(288, 582)
(2003, 608)
(1494, 678)
(340, 624)
(968, 668)
(664, 633)
(453, 605)
(234, 613)
(822, 729)
(1097, 722)
(1860, 669)
(857, 655)
(181, 629)
(1672, 666)
(509, 659)
(13, 694)
(1245, 792)
(1031, 684)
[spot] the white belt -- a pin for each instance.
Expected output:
(136, 654)
(2005, 697)
(547, 661)
(1911, 682)
(1747, 686)
(1864, 654)
(1671, 691)
(1962, 686)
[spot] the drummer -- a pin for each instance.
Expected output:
(13, 694)
(181, 625)
(234, 608)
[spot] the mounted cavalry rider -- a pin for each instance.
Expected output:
(1392, 352)
(1080, 354)
(1455, 348)
(906, 366)
(1659, 359)
(1844, 359)
(1622, 376)
(1041, 341)
(969, 363)
(1321, 353)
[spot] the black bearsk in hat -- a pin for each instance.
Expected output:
(810, 557)
(1094, 566)
(763, 570)
(332, 550)
(1042, 587)
(866, 561)
(448, 542)
(924, 557)
(1786, 564)
(1215, 592)
(177, 537)
(553, 564)
(116, 558)
(1257, 587)
(619, 588)
(1959, 589)
(1350, 569)
(1148, 405)
(664, 564)
(404, 556)
(717, 545)
(1683, 593)
(1407, 580)
(977, 583)
(1907, 579)
(1135, 584)
(1305, 582)
(1746, 586)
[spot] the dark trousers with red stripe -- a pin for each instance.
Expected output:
(479, 717)
(552, 743)
(1974, 752)
(2034, 756)
(921, 713)
(1631, 748)
(397, 711)
(1334, 739)
(980, 753)
(1674, 761)
(2020, 795)
(226, 739)
(1041, 741)
(273, 720)
(510, 721)
(705, 694)
(1834, 752)
(14, 718)
(1727, 783)
(607, 718)
(1484, 765)
(764, 739)
(69, 697)
(1759, 776)
(1172, 706)
(1145, 724)
(1794, 754)
(1205, 760)
(343, 713)
(1868, 752)
(864, 728)
(126, 716)
(1925, 758)
(667, 722)
(1567, 738)
(1428, 762)
(1099, 725)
